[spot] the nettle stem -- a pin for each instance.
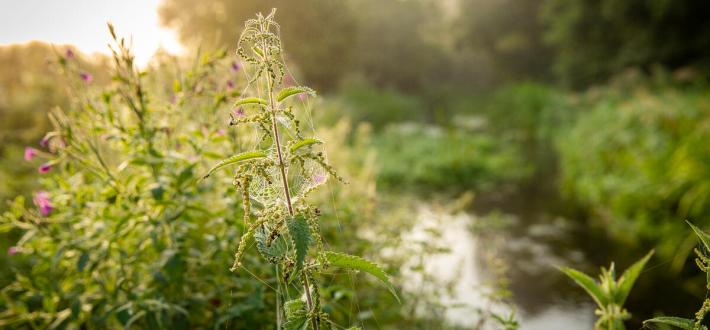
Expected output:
(284, 177)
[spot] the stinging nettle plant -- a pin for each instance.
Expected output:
(609, 293)
(703, 262)
(284, 166)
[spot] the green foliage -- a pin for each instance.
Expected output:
(678, 322)
(296, 315)
(609, 293)
(250, 100)
(357, 263)
(431, 158)
(637, 159)
(294, 90)
(596, 39)
(303, 143)
(301, 236)
(129, 235)
(703, 262)
(236, 159)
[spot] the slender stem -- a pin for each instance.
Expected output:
(282, 166)
(279, 319)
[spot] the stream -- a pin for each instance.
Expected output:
(465, 266)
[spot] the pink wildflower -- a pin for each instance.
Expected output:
(86, 77)
(41, 200)
(44, 168)
(30, 153)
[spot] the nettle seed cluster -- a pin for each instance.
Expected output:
(284, 167)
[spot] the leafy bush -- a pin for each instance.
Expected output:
(432, 158)
(639, 161)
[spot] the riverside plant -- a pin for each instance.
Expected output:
(609, 293)
(275, 179)
(703, 262)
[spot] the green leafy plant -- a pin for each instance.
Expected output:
(284, 166)
(703, 262)
(609, 293)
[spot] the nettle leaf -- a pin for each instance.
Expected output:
(296, 315)
(273, 252)
(361, 264)
(678, 322)
(293, 90)
(704, 237)
(588, 284)
(301, 236)
(250, 100)
(627, 279)
(303, 143)
(249, 155)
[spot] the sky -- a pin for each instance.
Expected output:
(83, 23)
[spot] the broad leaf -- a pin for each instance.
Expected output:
(273, 251)
(627, 279)
(296, 315)
(301, 236)
(588, 284)
(705, 238)
(305, 142)
(290, 91)
(678, 322)
(357, 263)
(235, 159)
(250, 100)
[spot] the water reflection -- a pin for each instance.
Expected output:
(466, 268)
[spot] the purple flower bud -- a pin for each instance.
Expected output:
(44, 142)
(69, 53)
(86, 77)
(235, 66)
(11, 251)
(239, 112)
(41, 200)
(302, 96)
(230, 84)
(44, 168)
(30, 153)
(220, 132)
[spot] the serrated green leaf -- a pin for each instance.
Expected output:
(293, 90)
(361, 264)
(301, 236)
(250, 100)
(305, 142)
(627, 279)
(678, 322)
(273, 252)
(235, 159)
(588, 284)
(296, 315)
(704, 237)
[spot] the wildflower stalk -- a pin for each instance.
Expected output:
(282, 168)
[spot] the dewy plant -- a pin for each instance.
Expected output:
(283, 167)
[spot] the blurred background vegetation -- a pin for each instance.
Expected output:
(589, 119)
